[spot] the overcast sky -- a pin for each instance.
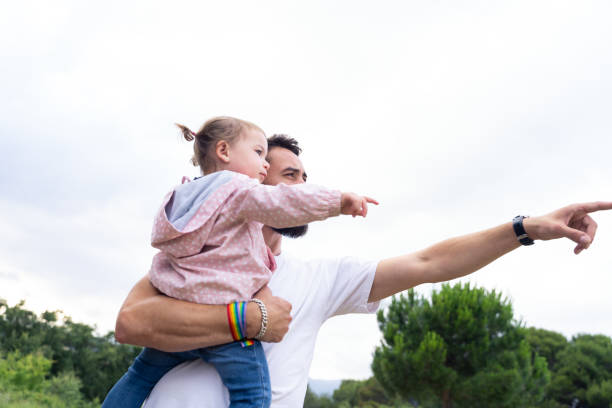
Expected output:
(455, 115)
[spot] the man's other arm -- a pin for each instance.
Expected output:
(149, 318)
(463, 255)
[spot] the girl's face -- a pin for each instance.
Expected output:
(247, 155)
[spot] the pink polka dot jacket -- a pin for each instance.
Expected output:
(209, 235)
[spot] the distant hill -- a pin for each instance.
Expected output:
(323, 387)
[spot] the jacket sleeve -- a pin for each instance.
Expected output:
(284, 206)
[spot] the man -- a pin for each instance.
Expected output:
(311, 292)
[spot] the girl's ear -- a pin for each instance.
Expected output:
(222, 149)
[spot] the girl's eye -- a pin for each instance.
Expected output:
(259, 151)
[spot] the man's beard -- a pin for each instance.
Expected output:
(292, 232)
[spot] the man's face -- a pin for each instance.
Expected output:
(286, 167)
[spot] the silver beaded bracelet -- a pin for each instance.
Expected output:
(264, 318)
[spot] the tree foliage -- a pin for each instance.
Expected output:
(583, 375)
(547, 344)
(356, 394)
(313, 400)
(25, 382)
(68, 346)
(463, 348)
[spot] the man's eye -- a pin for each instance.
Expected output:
(292, 175)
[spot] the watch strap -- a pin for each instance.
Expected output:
(519, 230)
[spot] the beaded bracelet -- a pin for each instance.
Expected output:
(237, 322)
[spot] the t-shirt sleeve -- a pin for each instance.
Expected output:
(350, 281)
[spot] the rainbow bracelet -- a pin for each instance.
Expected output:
(236, 317)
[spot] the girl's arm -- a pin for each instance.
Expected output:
(149, 318)
(283, 206)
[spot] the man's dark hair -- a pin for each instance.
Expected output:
(284, 141)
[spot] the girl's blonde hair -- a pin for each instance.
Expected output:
(214, 130)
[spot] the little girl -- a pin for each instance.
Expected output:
(212, 251)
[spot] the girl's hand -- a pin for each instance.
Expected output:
(353, 204)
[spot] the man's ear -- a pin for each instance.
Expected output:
(222, 151)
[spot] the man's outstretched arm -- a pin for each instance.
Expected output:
(151, 319)
(463, 255)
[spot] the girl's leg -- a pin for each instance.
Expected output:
(244, 372)
(133, 388)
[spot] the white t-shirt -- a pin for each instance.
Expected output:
(317, 290)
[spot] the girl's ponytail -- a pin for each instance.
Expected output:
(188, 134)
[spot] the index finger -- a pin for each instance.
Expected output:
(370, 200)
(596, 206)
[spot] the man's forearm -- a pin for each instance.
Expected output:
(149, 318)
(443, 261)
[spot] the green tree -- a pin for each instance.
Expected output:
(24, 382)
(24, 372)
(347, 393)
(20, 329)
(366, 394)
(355, 394)
(462, 349)
(600, 395)
(371, 392)
(312, 400)
(72, 347)
(547, 344)
(584, 372)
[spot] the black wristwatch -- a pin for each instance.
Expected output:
(519, 230)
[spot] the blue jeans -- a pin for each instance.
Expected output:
(243, 370)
